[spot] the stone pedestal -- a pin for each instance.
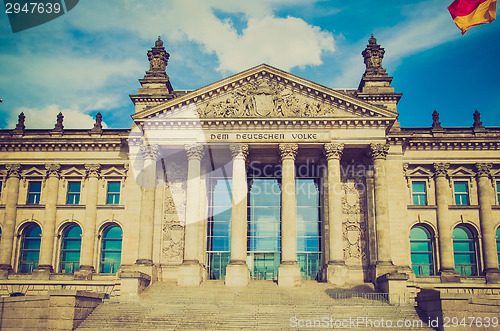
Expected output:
(289, 275)
(237, 274)
(190, 274)
(85, 272)
(396, 285)
(132, 284)
(43, 272)
(336, 273)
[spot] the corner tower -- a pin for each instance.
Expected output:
(156, 87)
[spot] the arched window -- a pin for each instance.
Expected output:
(30, 248)
(422, 251)
(464, 248)
(70, 249)
(498, 245)
(111, 249)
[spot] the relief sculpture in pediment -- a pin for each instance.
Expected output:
(264, 99)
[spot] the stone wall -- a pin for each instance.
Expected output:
(59, 310)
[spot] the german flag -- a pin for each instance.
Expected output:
(468, 13)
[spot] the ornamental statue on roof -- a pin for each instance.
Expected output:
(373, 55)
(158, 60)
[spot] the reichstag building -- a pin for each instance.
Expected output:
(259, 176)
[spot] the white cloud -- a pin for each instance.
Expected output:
(45, 118)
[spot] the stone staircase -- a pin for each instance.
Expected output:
(262, 306)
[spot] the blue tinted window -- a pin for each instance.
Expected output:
(73, 197)
(30, 248)
(422, 253)
(498, 192)
(113, 194)
(34, 192)
(419, 193)
(111, 249)
(461, 192)
(498, 245)
(464, 251)
(70, 249)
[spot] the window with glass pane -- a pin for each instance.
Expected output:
(461, 192)
(498, 192)
(34, 192)
(264, 221)
(30, 248)
(113, 196)
(308, 222)
(464, 249)
(111, 249)
(1, 189)
(422, 252)
(73, 197)
(70, 249)
(219, 223)
(419, 193)
(498, 246)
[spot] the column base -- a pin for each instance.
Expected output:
(132, 284)
(289, 275)
(190, 273)
(84, 272)
(336, 273)
(237, 274)
(449, 276)
(43, 272)
(396, 285)
(492, 276)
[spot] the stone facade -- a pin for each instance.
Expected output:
(152, 182)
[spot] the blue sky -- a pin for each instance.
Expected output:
(91, 58)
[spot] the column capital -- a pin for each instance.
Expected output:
(379, 151)
(441, 169)
(53, 170)
(149, 152)
(13, 170)
(483, 169)
(333, 150)
(92, 170)
(239, 150)
(195, 151)
(288, 151)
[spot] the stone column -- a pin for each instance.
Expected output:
(378, 153)
(49, 223)
(485, 194)
(191, 271)
(336, 271)
(9, 225)
(237, 272)
(88, 236)
(445, 242)
(146, 222)
(289, 270)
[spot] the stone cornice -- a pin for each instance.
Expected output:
(299, 85)
(55, 145)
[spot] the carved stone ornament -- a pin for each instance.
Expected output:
(436, 124)
(195, 151)
(334, 150)
(483, 169)
(158, 60)
(239, 150)
(264, 99)
(441, 169)
(173, 243)
(288, 151)
(373, 55)
(13, 170)
(150, 152)
(92, 170)
(379, 151)
(53, 170)
(477, 120)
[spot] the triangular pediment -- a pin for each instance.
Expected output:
(33, 172)
(72, 172)
(420, 172)
(265, 92)
(462, 172)
(113, 172)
